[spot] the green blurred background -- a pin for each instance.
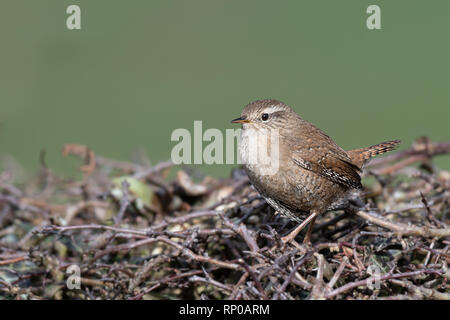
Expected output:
(137, 70)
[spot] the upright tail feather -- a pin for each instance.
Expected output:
(360, 156)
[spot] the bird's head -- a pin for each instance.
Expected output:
(265, 114)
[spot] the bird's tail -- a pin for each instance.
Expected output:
(360, 156)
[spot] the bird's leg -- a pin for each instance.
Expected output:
(291, 236)
(309, 231)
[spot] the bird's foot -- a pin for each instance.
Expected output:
(301, 247)
(289, 238)
(307, 240)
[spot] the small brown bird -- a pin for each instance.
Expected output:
(309, 173)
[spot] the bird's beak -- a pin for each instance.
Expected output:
(240, 120)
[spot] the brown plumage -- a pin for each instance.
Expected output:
(360, 156)
(314, 174)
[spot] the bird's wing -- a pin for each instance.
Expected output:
(326, 159)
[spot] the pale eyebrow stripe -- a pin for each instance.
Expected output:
(274, 108)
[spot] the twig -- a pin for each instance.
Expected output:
(369, 280)
(403, 229)
(212, 282)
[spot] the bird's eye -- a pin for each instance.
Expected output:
(265, 117)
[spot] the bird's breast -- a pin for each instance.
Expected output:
(260, 150)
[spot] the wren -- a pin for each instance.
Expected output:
(313, 174)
